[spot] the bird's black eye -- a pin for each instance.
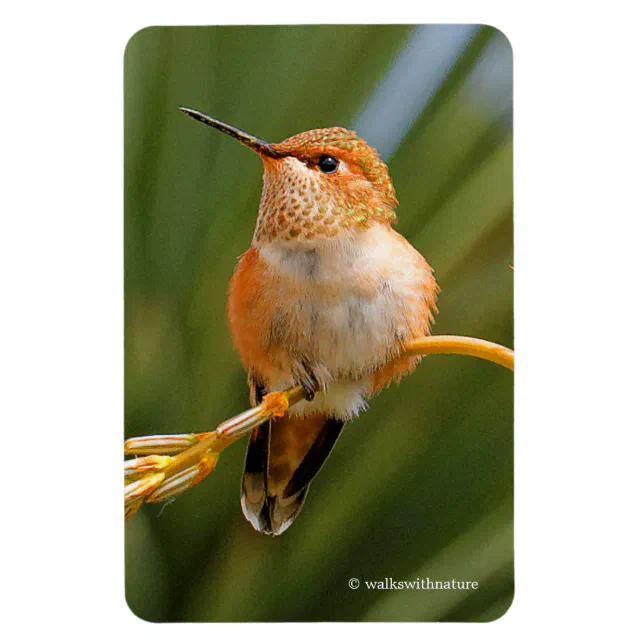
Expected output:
(328, 164)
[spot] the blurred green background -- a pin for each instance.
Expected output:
(421, 485)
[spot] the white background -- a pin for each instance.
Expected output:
(578, 127)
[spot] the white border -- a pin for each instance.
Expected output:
(578, 286)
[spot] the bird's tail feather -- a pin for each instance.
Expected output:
(283, 457)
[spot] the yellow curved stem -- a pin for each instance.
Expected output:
(464, 346)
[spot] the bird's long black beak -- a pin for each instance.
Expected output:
(260, 146)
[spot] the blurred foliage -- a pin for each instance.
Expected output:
(421, 485)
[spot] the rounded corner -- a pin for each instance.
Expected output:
(501, 34)
(135, 36)
(133, 611)
(506, 611)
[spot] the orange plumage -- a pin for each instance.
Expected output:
(327, 297)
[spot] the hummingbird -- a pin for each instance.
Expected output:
(326, 297)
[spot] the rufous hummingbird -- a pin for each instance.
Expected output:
(326, 297)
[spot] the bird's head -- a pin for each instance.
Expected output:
(320, 184)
